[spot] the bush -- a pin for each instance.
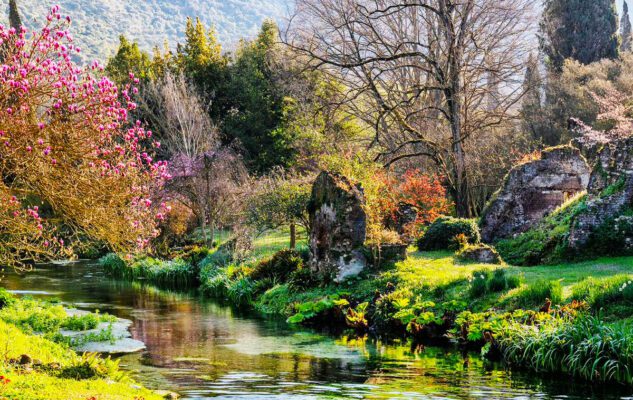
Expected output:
(113, 265)
(303, 278)
(279, 267)
(535, 294)
(441, 234)
(6, 298)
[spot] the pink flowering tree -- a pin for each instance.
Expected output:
(66, 144)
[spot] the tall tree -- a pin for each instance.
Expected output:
(257, 103)
(418, 73)
(532, 104)
(585, 31)
(14, 15)
(129, 59)
(625, 28)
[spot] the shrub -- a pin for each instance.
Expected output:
(113, 264)
(279, 267)
(303, 278)
(479, 283)
(535, 294)
(240, 291)
(441, 234)
(6, 298)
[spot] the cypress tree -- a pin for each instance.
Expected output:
(14, 16)
(625, 28)
(585, 31)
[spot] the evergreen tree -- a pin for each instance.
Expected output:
(586, 31)
(256, 105)
(14, 15)
(129, 59)
(625, 28)
(532, 109)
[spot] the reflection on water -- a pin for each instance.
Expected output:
(203, 350)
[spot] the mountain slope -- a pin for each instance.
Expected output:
(97, 24)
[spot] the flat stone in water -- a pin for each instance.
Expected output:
(123, 343)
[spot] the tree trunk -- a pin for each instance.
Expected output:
(293, 236)
(211, 233)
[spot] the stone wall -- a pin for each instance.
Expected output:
(338, 227)
(609, 193)
(533, 190)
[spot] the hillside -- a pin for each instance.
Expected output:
(98, 24)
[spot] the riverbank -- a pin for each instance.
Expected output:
(433, 297)
(37, 363)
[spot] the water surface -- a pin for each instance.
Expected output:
(203, 350)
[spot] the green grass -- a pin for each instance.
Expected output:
(52, 381)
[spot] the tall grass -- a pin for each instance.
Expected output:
(175, 273)
(587, 348)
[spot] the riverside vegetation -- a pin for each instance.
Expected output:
(511, 313)
(36, 361)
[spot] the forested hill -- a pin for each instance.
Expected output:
(98, 24)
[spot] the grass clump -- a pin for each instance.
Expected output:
(485, 281)
(441, 234)
(612, 296)
(587, 348)
(536, 294)
(176, 273)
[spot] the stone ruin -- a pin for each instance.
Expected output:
(338, 227)
(533, 190)
(609, 194)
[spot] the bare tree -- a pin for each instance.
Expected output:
(428, 76)
(206, 176)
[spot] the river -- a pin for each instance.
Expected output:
(201, 350)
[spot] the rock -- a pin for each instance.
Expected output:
(609, 194)
(167, 394)
(533, 190)
(338, 227)
(481, 253)
(392, 253)
(122, 342)
(404, 215)
(25, 360)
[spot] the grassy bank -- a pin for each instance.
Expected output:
(37, 364)
(436, 297)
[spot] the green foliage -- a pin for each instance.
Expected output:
(175, 273)
(280, 202)
(240, 291)
(86, 322)
(34, 316)
(303, 278)
(545, 242)
(484, 282)
(128, 59)
(580, 30)
(304, 312)
(279, 267)
(587, 348)
(6, 298)
(535, 294)
(442, 233)
(252, 91)
(613, 295)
